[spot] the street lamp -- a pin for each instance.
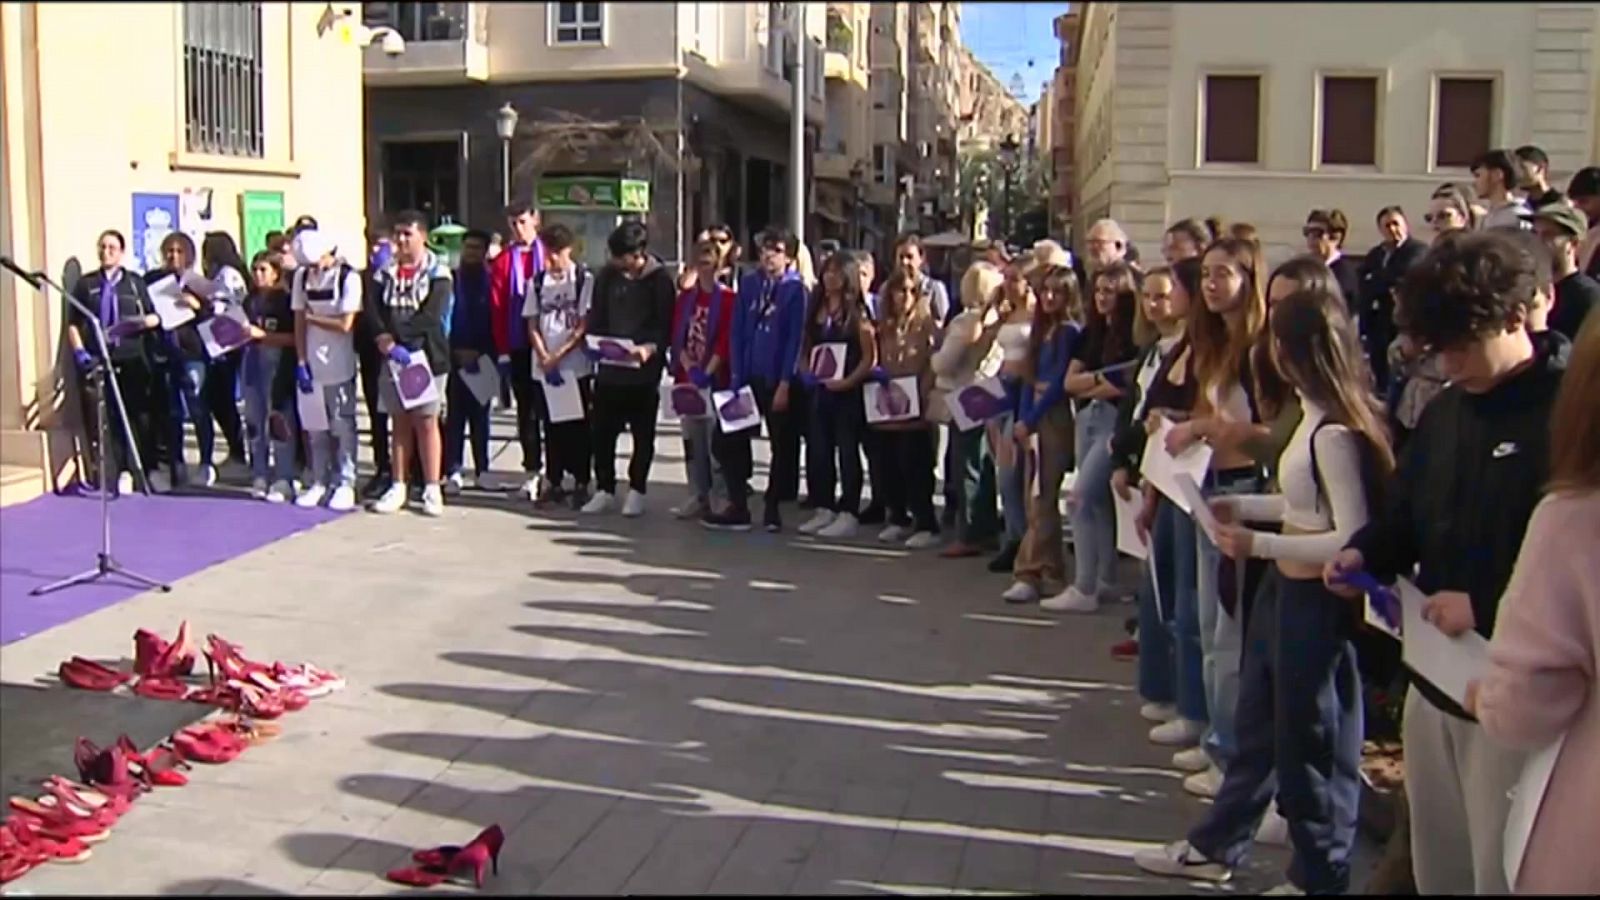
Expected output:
(1008, 164)
(505, 125)
(858, 182)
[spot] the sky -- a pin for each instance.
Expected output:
(1007, 37)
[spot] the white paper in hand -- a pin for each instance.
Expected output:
(974, 404)
(1526, 798)
(1127, 531)
(1196, 502)
(227, 331)
(414, 381)
(736, 412)
(483, 381)
(1449, 663)
(165, 296)
(1161, 468)
(313, 409)
(564, 400)
(897, 401)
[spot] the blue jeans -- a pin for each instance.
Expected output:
(186, 380)
(270, 459)
(1172, 546)
(1012, 482)
(1094, 522)
(333, 452)
(1221, 640)
(697, 462)
(463, 411)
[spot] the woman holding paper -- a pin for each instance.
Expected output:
(906, 334)
(268, 379)
(1095, 382)
(231, 284)
(188, 362)
(1013, 303)
(837, 321)
(1299, 714)
(1045, 420)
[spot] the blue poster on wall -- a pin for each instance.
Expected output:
(154, 217)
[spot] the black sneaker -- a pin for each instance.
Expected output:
(578, 497)
(1006, 559)
(771, 519)
(734, 518)
(376, 486)
(872, 515)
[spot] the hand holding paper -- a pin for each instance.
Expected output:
(400, 355)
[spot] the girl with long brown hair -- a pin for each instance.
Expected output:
(1013, 303)
(906, 334)
(1299, 713)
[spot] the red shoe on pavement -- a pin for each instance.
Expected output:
(1126, 651)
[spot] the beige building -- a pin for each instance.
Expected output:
(144, 117)
(988, 113)
(1062, 118)
(894, 155)
(1262, 112)
(934, 120)
(844, 154)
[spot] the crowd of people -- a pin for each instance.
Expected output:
(1425, 411)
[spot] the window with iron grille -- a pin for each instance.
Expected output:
(223, 108)
(579, 23)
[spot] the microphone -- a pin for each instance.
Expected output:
(10, 265)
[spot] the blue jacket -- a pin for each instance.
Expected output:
(1051, 370)
(471, 320)
(766, 342)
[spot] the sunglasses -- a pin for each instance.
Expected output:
(1314, 232)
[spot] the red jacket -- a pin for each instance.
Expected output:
(505, 311)
(720, 336)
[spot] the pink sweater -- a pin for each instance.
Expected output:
(1541, 683)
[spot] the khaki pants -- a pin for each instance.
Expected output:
(1457, 782)
(1040, 561)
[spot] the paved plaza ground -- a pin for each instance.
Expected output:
(644, 706)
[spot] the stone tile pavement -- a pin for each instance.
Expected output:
(644, 706)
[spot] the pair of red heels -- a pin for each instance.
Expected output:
(157, 667)
(437, 864)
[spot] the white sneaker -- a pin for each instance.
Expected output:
(258, 489)
(311, 497)
(894, 534)
(601, 502)
(1020, 592)
(208, 475)
(1204, 784)
(691, 508)
(1178, 732)
(1274, 830)
(1192, 759)
(1284, 890)
(1071, 600)
(819, 520)
(633, 504)
(343, 500)
(1179, 860)
(393, 500)
(125, 483)
(160, 482)
(1158, 712)
(280, 492)
(452, 485)
(922, 540)
(530, 487)
(843, 525)
(432, 501)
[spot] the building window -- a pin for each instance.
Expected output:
(1349, 121)
(1233, 119)
(419, 21)
(579, 23)
(222, 79)
(883, 163)
(1465, 119)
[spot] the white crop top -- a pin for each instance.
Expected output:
(1325, 516)
(1013, 340)
(1236, 408)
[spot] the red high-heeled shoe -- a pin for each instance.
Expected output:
(84, 797)
(161, 687)
(106, 770)
(229, 659)
(159, 767)
(152, 655)
(88, 675)
(438, 863)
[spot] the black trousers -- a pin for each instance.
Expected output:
(619, 406)
(221, 390)
(833, 450)
(567, 445)
(529, 396)
(144, 395)
(371, 367)
(907, 477)
(733, 451)
(872, 449)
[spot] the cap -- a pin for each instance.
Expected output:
(311, 245)
(1586, 183)
(1563, 215)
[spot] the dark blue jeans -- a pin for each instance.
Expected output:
(1298, 724)
(833, 450)
(1172, 553)
(464, 411)
(186, 395)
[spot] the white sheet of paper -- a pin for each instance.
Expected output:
(564, 401)
(1526, 798)
(164, 296)
(313, 409)
(1448, 662)
(734, 423)
(1196, 501)
(818, 366)
(1127, 534)
(595, 340)
(485, 382)
(873, 391)
(1160, 468)
(214, 347)
(958, 410)
(414, 370)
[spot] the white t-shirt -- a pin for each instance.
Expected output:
(332, 356)
(560, 307)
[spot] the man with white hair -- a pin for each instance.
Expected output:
(326, 298)
(1106, 243)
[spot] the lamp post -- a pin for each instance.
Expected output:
(1008, 165)
(505, 125)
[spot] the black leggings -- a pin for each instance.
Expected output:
(908, 459)
(567, 445)
(836, 423)
(618, 406)
(371, 367)
(221, 387)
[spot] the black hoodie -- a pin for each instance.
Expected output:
(1469, 478)
(639, 309)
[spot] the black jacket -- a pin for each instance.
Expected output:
(1380, 272)
(1470, 475)
(412, 313)
(133, 299)
(639, 309)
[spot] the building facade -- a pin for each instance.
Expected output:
(933, 122)
(1063, 102)
(844, 154)
(893, 154)
(1195, 109)
(691, 98)
(194, 116)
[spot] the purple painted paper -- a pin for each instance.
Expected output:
(823, 364)
(980, 405)
(688, 401)
(742, 406)
(414, 381)
(893, 402)
(228, 333)
(613, 351)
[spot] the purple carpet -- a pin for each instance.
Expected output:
(165, 537)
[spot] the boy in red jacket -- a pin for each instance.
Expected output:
(702, 322)
(511, 276)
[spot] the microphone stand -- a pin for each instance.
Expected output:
(106, 564)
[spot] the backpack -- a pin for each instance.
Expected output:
(579, 276)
